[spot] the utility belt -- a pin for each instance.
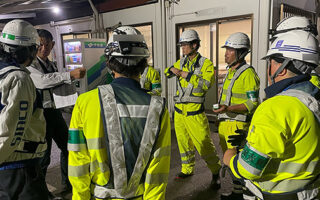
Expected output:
(19, 164)
(201, 110)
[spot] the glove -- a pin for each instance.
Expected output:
(238, 141)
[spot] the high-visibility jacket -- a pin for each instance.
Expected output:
(150, 81)
(282, 154)
(22, 124)
(315, 79)
(192, 89)
(240, 86)
(119, 143)
(45, 76)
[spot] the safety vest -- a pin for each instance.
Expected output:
(185, 94)
(143, 78)
(304, 187)
(122, 185)
(232, 115)
(27, 151)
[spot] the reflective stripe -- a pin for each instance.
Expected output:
(77, 147)
(78, 171)
(284, 185)
(237, 95)
(95, 165)
(110, 109)
(185, 94)
(143, 78)
(306, 99)
(229, 93)
(253, 160)
(124, 188)
(250, 104)
(160, 178)
(134, 111)
(96, 143)
(296, 168)
(190, 99)
(233, 116)
(162, 152)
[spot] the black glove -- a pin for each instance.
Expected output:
(238, 140)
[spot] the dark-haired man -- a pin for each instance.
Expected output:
(45, 76)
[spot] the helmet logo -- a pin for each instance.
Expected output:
(279, 43)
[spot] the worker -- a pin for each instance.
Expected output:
(119, 136)
(195, 75)
(239, 96)
(280, 159)
(297, 23)
(22, 124)
(150, 81)
(45, 76)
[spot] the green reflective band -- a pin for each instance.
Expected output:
(253, 158)
(156, 85)
(9, 36)
(252, 95)
(76, 137)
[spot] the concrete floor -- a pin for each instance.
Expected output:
(193, 188)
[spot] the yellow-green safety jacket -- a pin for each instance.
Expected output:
(192, 89)
(240, 86)
(119, 143)
(282, 154)
(315, 79)
(150, 80)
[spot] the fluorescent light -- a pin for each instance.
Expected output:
(56, 10)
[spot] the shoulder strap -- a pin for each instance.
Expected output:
(306, 99)
(234, 78)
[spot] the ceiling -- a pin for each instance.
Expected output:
(40, 11)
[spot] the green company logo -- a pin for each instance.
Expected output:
(252, 95)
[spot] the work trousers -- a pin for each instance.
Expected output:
(56, 130)
(23, 184)
(193, 132)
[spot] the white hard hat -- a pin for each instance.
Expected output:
(237, 41)
(296, 45)
(189, 36)
(20, 33)
(127, 45)
(295, 23)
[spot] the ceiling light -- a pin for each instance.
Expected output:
(56, 10)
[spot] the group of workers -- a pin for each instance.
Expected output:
(119, 138)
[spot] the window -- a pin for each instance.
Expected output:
(213, 34)
(146, 31)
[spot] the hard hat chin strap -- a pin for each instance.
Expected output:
(279, 70)
(239, 57)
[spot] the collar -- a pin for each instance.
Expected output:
(42, 61)
(127, 82)
(241, 64)
(285, 84)
(194, 59)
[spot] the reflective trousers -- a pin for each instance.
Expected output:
(193, 132)
(227, 128)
